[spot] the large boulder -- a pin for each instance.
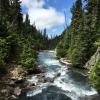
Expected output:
(18, 73)
(94, 59)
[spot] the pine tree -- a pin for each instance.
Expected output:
(96, 20)
(16, 15)
(75, 51)
(89, 31)
(27, 21)
(4, 17)
(4, 8)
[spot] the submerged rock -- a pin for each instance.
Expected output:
(48, 79)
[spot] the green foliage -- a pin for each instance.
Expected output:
(29, 63)
(27, 56)
(61, 52)
(78, 40)
(19, 41)
(2, 67)
(75, 54)
(97, 43)
(82, 38)
(94, 76)
(3, 49)
(3, 29)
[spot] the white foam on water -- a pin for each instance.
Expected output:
(51, 62)
(32, 93)
(63, 70)
(50, 75)
(52, 51)
(33, 79)
(38, 90)
(73, 88)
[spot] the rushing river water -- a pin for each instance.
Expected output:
(67, 84)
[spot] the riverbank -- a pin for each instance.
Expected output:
(65, 62)
(14, 82)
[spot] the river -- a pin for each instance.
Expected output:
(66, 83)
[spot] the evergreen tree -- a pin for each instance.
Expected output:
(19, 40)
(4, 8)
(16, 15)
(78, 41)
(89, 31)
(96, 20)
(27, 21)
(75, 50)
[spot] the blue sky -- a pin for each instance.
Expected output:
(48, 14)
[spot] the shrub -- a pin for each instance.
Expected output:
(3, 55)
(28, 56)
(30, 64)
(94, 76)
(61, 52)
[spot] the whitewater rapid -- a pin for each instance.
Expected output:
(69, 82)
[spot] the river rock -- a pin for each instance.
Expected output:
(12, 83)
(18, 72)
(58, 74)
(14, 97)
(4, 91)
(20, 81)
(48, 79)
(17, 91)
(65, 62)
(32, 84)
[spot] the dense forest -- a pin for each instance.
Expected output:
(19, 41)
(82, 37)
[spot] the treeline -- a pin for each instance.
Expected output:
(19, 41)
(79, 39)
(53, 41)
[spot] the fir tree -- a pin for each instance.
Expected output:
(16, 15)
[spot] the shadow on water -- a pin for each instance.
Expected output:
(49, 93)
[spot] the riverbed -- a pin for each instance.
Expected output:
(61, 81)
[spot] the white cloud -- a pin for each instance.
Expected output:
(43, 18)
(33, 3)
